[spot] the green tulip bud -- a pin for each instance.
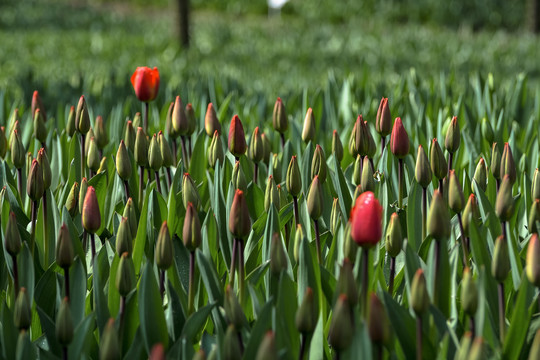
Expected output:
(495, 161)
(164, 248)
(341, 330)
(64, 324)
(455, 193)
(298, 237)
(422, 172)
(371, 147)
(438, 221)
(279, 117)
(358, 191)
(419, 300)
(362, 142)
(22, 312)
(103, 165)
(93, 158)
(271, 195)
(130, 136)
(64, 248)
(470, 213)
(439, 166)
(231, 345)
(337, 146)
(82, 118)
(124, 240)
(367, 182)
(100, 133)
(233, 310)
(82, 193)
(72, 201)
(294, 179)
(534, 216)
(256, 146)
(189, 192)
(487, 131)
(40, 131)
(91, 216)
(508, 167)
(394, 237)
(141, 148)
(378, 323)
(169, 129)
(276, 168)
(533, 261)
(357, 170)
(34, 184)
(137, 120)
(278, 257)
(307, 315)
(3, 142)
(43, 161)
(282, 195)
(355, 134)
(18, 152)
(480, 175)
(12, 236)
(346, 283)
(191, 235)
(500, 266)
(70, 124)
(16, 126)
(469, 293)
(315, 199)
(239, 219)
(154, 154)
(383, 121)
(28, 162)
(535, 186)
(179, 119)
(267, 148)
(211, 122)
(123, 163)
(125, 275)
(165, 150)
(267, 348)
(308, 132)
(453, 136)
(129, 213)
(215, 151)
(109, 347)
(192, 122)
(238, 179)
(504, 205)
(350, 248)
(335, 216)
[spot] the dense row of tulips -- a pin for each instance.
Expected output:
(215, 255)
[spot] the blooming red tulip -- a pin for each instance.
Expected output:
(399, 140)
(366, 220)
(145, 82)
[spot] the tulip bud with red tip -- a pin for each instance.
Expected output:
(179, 119)
(12, 236)
(109, 347)
(155, 160)
(399, 141)
(453, 136)
(191, 234)
(130, 136)
(355, 134)
(315, 199)
(17, 151)
(37, 104)
(271, 195)
(279, 117)
(480, 175)
(341, 330)
(508, 167)
(189, 192)
(308, 132)
(318, 164)
(383, 121)
(439, 166)
(91, 216)
(164, 248)
(211, 122)
(471, 214)
(43, 161)
(34, 184)
(129, 213)
(40, 131)
(100, 133)
(64, 248)
(237, 138)
(145, 82)
(267, 347)
(192, 122)
(239, 219)
(438, 221)
(378, 322)
(256, 146)
(366, 220)
(495, 161)
(504, 205)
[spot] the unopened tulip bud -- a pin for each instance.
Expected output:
(383, 121)
(439, 166)
(267, 347)
(141, 148)
(535, 186)
(500, 266)
(191, 234)
(534, 353)
(355, 134)
(318, 164)
(179, 119)
(16, 126)
(453, 136)
(211, 122)
(337, 146)
(357, 170)
(215, 151)
(335, 216)
(91, 216)
(40, 131)
(189, 192)
(508, 167)
(129, 213)
(422, 172)
(399, 140)
(82, 118)
(125, 275)
(271, 195)
(378, 322)
(231, 344)
(495, 161)
(43, 161)
(12, 236)
(279, 117)
(350, 248)
(64, 324)
(109, 346)
(362, 142)
(315, 199)
(298, 237)
(438, 221)
(3, 142)
(18, 152)
(93, 158)
(239, 219)
(82, 193)
(367, 182)
(165, 150)
(278, 257)
(294, 179)
(233, 310)
(371, 146)
(346, 283)
(130, 136)
(282, 194)
(89, 135)
(469, 293)
(123, 163)
(238, 179)
(237, 137)
(341, 330)
(276, 168)
(169, 129)
(22, 312)
(103, 165)
(192, 122)
(308, 132)
(64, 248)
(124, 240)
(154, 154)
(164, 248)
(28, 162)
(471, 214)
(72, 201)
(70, 124)
(504, 205)
(34, 184)
(534, 216)
(456, 202)
(394, 237)
(256, 146)
(533, 261)
(100, 133)
(137, 120)
(419, 300)
(37, 104)
(487, 131)
(307, 314)
(267, 148)
(480, 175)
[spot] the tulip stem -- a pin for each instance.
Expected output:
(162, 283)
(141, 179)
(66, 281)
(441, 186)
(450, 160)
(255, 173)
(85, 241)
(184, 151)
(189, 147)
(191, 287)
(365, 279)
(497, 185)
(383, 144)
(175, 150)
(145, 119)
(19, 182)
(464, 244)
(318, 241)
(126, 189)
(33, 229)
(82, 155)
(419, 337)
(472, 326)
(302, 346)
(121, 312)
(437, 268)
(64, 352)
(282, 141)
(502, 322)
(400, 183)
(503, 226)
(240, 342)
(424, 212)
(45, 231)
(233, 263)
(241, 273)
(93, 246)
(158, 183)
(296, 215)
(392, 275)
(91, 173)
(15, 274)
(169, 178)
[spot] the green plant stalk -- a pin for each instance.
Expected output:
(145, 118)
(191, 289)
(85, 241)
(233, 262)
(189, 147)
(418, 337)
(437, 271)
(239, 334)
(464, 243)
(392, 275)
(93, 246)
(161, 283)
(302, 346)
(502, 322)
(15, 274)
(282, 141)
(20, 184)
(122, 312)
(169, 177)
(503, 227)
(33, 229)
(184, 151)
(365, 280)
(497, 185)
(174, 150)
(141, 179)
(66, 281)
(158, 183)
(241, 271)
(45, 232)
(126, 189)
(83, 136)
(296, 214)
(400, 183)
(383, 144)
(255, 173)
(424, 212)
(450, 160)
(318, 241)
(64, 352)
(472, 326)
(441, 185)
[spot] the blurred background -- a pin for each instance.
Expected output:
(65, 48)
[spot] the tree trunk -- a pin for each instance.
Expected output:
(183, 22)
(532, 16)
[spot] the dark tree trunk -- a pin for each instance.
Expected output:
(183, 22)
(533, 16)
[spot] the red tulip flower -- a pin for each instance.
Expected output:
(366, 220)
(399, 140)
(145, 82)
